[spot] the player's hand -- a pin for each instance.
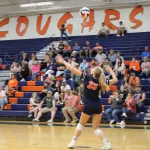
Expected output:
(107, 68)
(59, 59)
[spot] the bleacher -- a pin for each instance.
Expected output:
(131, 45)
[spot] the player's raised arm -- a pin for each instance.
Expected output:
(60, 60)
(114, 79)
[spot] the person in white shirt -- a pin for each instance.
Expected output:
(103, 30)
(145, 66)
(100, 57)
(121, 30)
(64, 88)
(3, 98)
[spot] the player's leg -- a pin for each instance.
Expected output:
(96, 119)
(83, 120)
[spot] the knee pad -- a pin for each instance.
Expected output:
(79, 127)
(98, 132)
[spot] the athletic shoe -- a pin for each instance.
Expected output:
(74, 121)
(118, 123)
(112, 121)
(67, 121)
(107, 146)
(71, 145)
(118, 35)
(35, 120)
(30, 115)
(50, 121)
(125, 115)
(122, 123)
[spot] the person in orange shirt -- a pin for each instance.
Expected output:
(95, 49)
(67, 50)
(134, 81)
(12, 84)
(134, 66)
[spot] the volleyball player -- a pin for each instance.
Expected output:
(92, 85)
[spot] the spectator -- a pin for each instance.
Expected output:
(3, 98)
(35, 70)
(119, 56)
(12, 85)
(81, 89)
(67, 96)
(116, 108)
(119, 68)
(123, 93)
(50, 107)
(53, 51)
(146, 53)
(72, 107)
(145, 66)
(134, 81)
(31, 61)
(134, 66)
(60, 70)
(25, 59)
(64, 88)
(103, 30)
(0, 62)
(140, 96)
(76, 47)
(51, 69)
(60, 47)
(129, 108)
(86, 49)
(75, 55)
(67, 50)
(107, 62)
(24, 72)
(84, 66)
(16, 69)
(96, 49)
(112, 57)
(34, 105)
(100, 57)
(121, 30)
(63, 31)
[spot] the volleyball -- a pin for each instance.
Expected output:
(84, 12)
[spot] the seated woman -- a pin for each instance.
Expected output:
(50, 107)
(3, 98)
(129, 108)
(24, 72)
(134, 66)
(72, 106)
(119, 68)
(145, 66)
(12, 85)
(15, 69)
(34, 105)
(116, 108)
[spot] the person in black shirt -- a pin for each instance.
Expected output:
(92, 85)
(61, 47)
(63, 31)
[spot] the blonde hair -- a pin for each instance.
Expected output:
(99, 73)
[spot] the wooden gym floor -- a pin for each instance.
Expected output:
(43, 136)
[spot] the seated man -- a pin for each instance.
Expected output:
(76, 47)
(67, 50)
(103, 30)
(86, 49)
(100, 57)
(134, 66)
(146, 53)
(116, 108)
(121, 30)
(139, 96)
(72, 106)
(53, 51)
(134, 81)
(50, 107)
(12, 85)
(145, 67)
(96, 49)
(84, 66)
(60, 47)
(112, 57)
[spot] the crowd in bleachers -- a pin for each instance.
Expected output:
(125, 102)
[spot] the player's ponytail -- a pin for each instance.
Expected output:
(99, 73)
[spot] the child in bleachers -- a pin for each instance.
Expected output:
(3, 98)
(34, 105)
(35, 70)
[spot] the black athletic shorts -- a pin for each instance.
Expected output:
(91, 108)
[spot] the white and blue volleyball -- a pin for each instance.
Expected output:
(84, 12)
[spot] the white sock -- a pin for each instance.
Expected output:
(74, 139)
(105, 141)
